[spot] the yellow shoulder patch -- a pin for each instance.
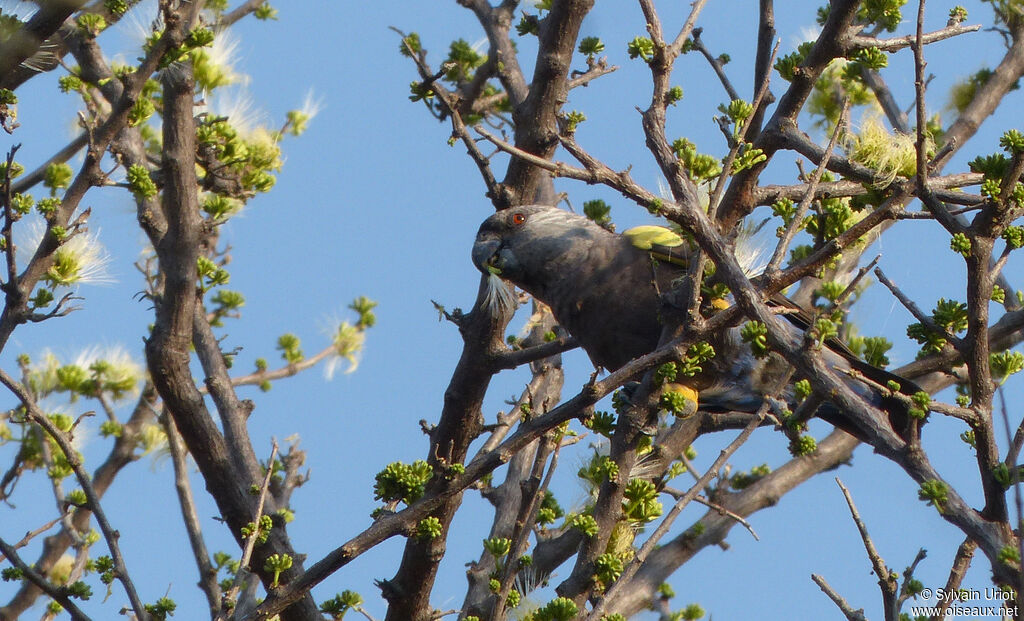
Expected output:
(690, 398)
(647, 236)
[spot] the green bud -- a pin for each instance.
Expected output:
(934, 493)
(591, 46)
(961, 244)
(642, 48)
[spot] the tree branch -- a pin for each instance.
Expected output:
(207, 574)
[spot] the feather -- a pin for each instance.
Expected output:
(752, 251)
(499, 297)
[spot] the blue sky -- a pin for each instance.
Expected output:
(372, 201)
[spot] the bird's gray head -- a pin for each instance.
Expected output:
(523, 245)
(516, 243)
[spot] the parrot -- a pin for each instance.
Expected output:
(606, 290)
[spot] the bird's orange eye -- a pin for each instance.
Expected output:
(518, 218)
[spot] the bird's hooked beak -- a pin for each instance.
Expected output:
(486, 255)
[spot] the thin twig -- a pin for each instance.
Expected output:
(797, 222)
(876, 559)
(904, 593)
(32, 534)
(521, 534)
(515, 358)
(430, 80)
(941, 186)
(717, 507)
(844, 606)
(886, 579)
(852, 287)
(762, 92)
(247, 7)
(684, 32)
(1018, 500)
(1016, 442)
(207, 574)
(898, 43)
(26, 181)
(925, 320)
(957, 571)
(13, 291)
(288, 370)
(360, 609)
(250, 542)
(698, 44)
(596, 70)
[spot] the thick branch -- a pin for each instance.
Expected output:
(167, 350)
(536, 119)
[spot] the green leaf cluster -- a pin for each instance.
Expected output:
(558, 609)
(211, 274)
(608, 567)
(755, 333)
(787, 65)
(642, 48)
(802, 445)
(598, 211)
(883, 13)
(591, 46)
(700, 167)
(599, 469)
(163, 608)
(234, 164)
(640, 501)
(743, 480)
(462, 62)
(601, 422)
(935, 493)
(337, 606)
(584, 523)
(1004, 364)
(402, 482)
(260, 530)
(277, 563)
(549, 510)
(871, 349)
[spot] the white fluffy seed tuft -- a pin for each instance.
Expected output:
(500, 297)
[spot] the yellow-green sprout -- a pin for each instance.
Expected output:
(832, 88)
(42, 375)
(214, 65)
(152, 439)
(113, 370)
(299, 119)
(348, 341)
(80, 260)
(60, 573)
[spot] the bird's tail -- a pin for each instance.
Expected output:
(732, 397)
